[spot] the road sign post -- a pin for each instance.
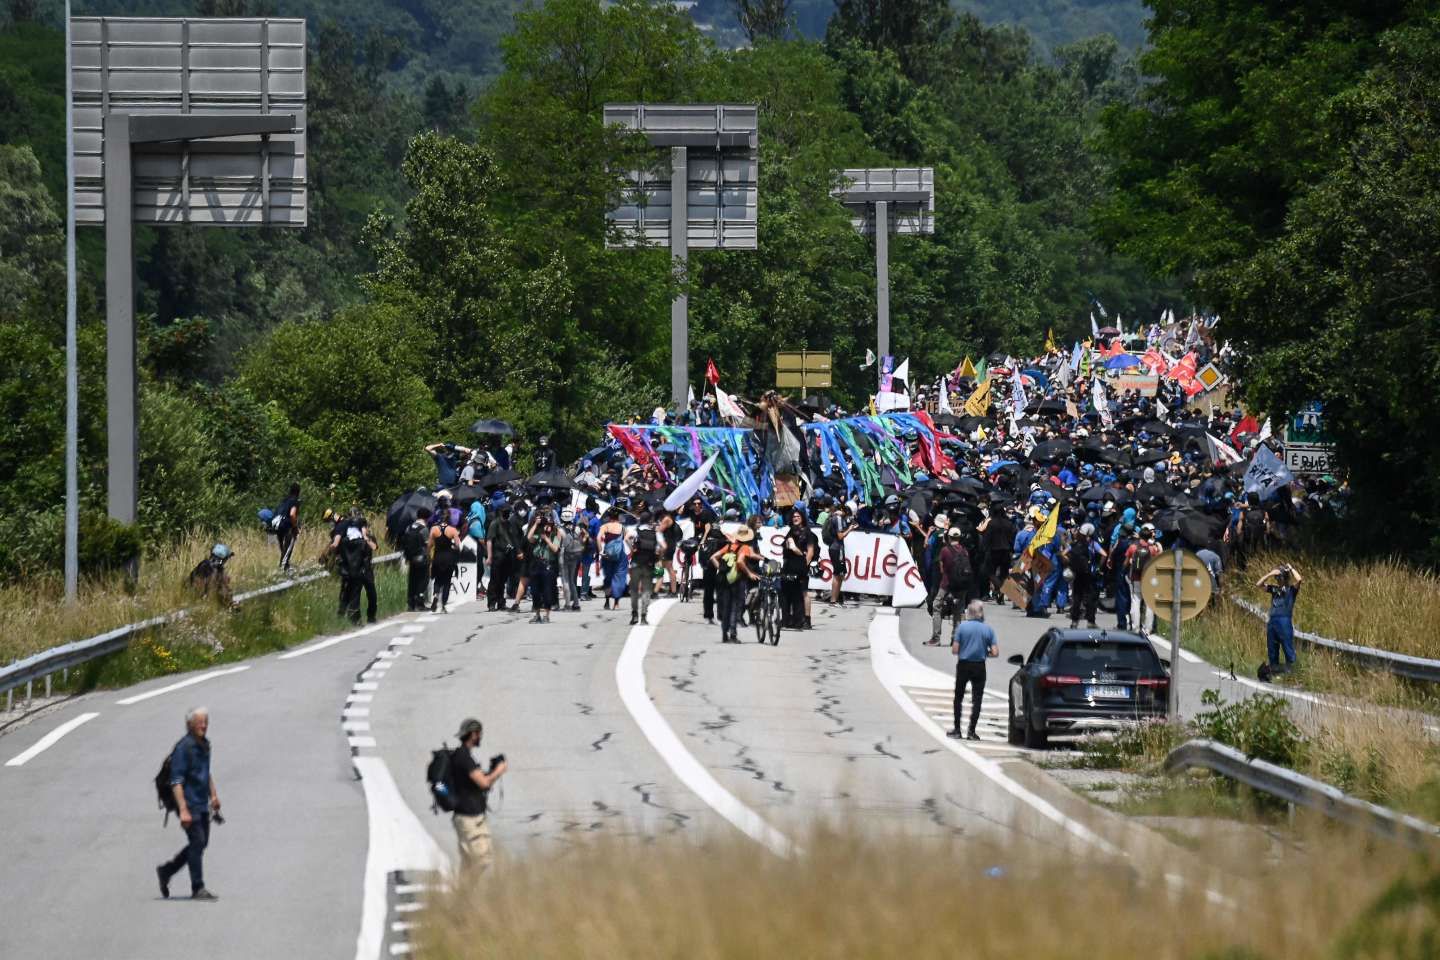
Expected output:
(882, 201)
(1179, 582)
(177, 121)
(710, 201)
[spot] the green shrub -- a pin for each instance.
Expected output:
(1259, 726)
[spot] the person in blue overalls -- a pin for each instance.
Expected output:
(1283, 584)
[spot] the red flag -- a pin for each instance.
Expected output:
(712, 375)
(1115, 350)
(1154, 360)
(1184, 369)
(1248, 425)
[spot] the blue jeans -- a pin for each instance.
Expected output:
(1054, 581)
(197, 837)
(1122, 602)
(1280, 634)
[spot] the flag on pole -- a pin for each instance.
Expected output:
(1267, 473)
(902, 372)
(979, 403)
(1046, 533)
(1050, 341)
(1018, 398)
(869, 360)
(1161, 411)
(690, 394)
(726, 405)
(1075, 358)
(712, 374)
(1094, 328)
(944, 405)
(1220, 451)
(1085, 363)
(1102, 403)
(1265, 430)
(1154, 361)
(967, 369)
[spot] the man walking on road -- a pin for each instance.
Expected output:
(472, 791)
(974, 641)
(197, 800)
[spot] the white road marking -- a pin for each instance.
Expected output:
(362, 742)
(371, 675)
(1162, 647)
(356, 726)
(403, 926)
(397, 842)
(381, 665)
(366, 687)
(49, 740)
(355, 712)
(412, 628)
(630, 678)
(408, 889)
(409, 907)
(360, 698)
(386, 654)
(331, 641)
(896, 669)
(428, 618)
(181, 685)
(402, 641)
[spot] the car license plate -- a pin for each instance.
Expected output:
(1108, 693)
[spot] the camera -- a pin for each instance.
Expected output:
(496, 760)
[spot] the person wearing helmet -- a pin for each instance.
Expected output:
(209, 578)
(574, 540)
(544, 456)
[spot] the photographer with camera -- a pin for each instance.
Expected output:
(543, 536)
(574, 542)
(471, 787)
(1283, 585)
(837, 527)
(502, 551)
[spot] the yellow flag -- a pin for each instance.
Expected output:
(872, 405)
(979, 403)
(1046, 533)
(967, 369)
(1050, 341)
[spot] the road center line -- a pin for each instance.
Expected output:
(181, 685)
(49, 740)
(630, 678)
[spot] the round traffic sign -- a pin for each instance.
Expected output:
(1157, 584)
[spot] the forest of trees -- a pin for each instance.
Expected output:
(455, 263)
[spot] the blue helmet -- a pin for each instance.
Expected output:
(221, 552)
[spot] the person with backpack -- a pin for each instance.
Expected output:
(1142, 618)
(644, 541)
(611, 540)
(543, 539)
(1124, 540)
(193, 796)
(711, 538)
(735, 574)
(574, 543)
(286, 524)
(837, 527)
(475, 527)
(502, 551)
(469, 789)
(209, 578)
(415, 544)
(444, 560)
(355, 548)
(1084, 560)
(956, 572)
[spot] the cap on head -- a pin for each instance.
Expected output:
(468, 726)
(954, 534)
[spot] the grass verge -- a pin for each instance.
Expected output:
(34, 616)
(867, 896)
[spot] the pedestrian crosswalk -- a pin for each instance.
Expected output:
(993, 726)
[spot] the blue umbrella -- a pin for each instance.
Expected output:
(1121, 362)
(1000, 465)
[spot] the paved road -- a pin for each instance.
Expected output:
(836, 725)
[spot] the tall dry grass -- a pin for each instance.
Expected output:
(862, 896)
(34, 616)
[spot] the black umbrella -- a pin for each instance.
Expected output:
(946, 420)
(462, 495)
(1049, 405)
(966, 485)
(497, 427)
(402, 512)
(1051, 450)
(1144, 457)
(1156, 428)
(497, 478)
(550, 480)
(1154, 490)
(968, 423)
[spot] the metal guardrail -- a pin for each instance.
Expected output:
(1303, 791)
(1400, 664)
(45, 664)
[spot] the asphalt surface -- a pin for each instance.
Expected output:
(830, 727)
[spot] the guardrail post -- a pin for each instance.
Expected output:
(29, 691)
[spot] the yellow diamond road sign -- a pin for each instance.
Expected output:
(1157, 584)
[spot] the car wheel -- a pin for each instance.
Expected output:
(1034, 739)
(1017, 733)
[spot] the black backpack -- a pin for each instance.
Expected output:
(959, 571)
(164, 793)
(646, 541)
(414, 542)
(437, 776)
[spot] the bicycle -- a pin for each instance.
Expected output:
(765, 606)
(687, 550)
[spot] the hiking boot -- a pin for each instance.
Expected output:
(634, 619)
(203, 895)
(536, 619)
(644, 620)
(575, 606)
(164, 881)
(434, 603)
(955, 734)
(972, 735)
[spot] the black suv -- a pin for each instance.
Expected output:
(1075, 681)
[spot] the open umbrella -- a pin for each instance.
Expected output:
(1122, 361)
(1144, 457)
(966, 485)
(497, 478)
(1154, 490)
(1051, 450)
(549, 480)
(462, 495)
(1108, 332)
(498, 428)
(1049, 405)
(402, 512)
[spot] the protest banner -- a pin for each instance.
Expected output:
(1145, 384)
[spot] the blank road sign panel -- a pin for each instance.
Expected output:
(196, 67)
(909, 193)
(722, 179)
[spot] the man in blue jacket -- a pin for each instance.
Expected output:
(197, 801)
